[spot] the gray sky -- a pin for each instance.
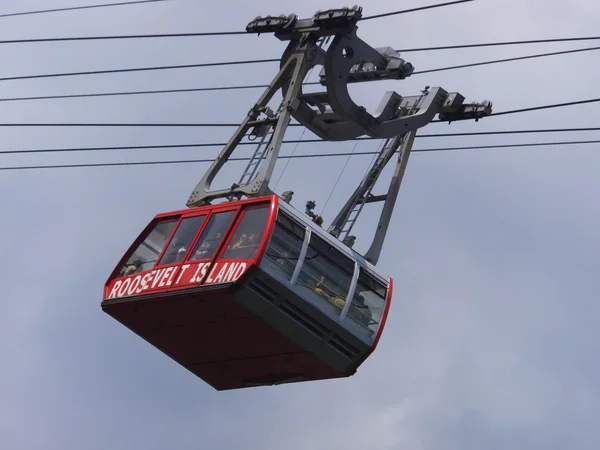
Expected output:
(489, 342)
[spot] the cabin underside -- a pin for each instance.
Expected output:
(218, 339)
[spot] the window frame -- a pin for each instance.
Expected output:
(275, 222)
(141, 239)
(192, 243)
(238, 220)
(233, 221)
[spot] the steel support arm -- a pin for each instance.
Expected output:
(372, 255)
(293, 71)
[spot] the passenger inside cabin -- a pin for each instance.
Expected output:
(175, 253)
(244, 247)
(132, 268)
(241, 242)
(207, 248)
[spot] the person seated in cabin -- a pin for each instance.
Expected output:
(202, 251)
(251, 245)
(175, 253)
(132, 268)
(207, 248)
(181, 253)
(240, 243)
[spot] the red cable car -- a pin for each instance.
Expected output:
(247, 293)
(251, 292)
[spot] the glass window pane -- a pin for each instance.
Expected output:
(146, 254)
(368, 303)
(284, 247)
(248, 234)
(212, 235)
(326, 274)
(183, 238)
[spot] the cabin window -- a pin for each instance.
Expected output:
(284, 247)
(368, 302)
(212, 235)
(146, 254)
(327, 273)
(182, 240)
(244, 242)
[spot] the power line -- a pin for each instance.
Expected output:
(138, 69)
(227, 63)
(295, 141)
(322, 155)
(538, 108)
(233, 33)
(73, 8)
(220, 125)
(112, 94)
(498, 44)
(496, 61)
(120, 37)
(421, 8)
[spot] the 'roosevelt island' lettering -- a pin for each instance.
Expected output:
(227, 272)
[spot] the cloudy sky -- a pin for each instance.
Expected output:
(491, 336)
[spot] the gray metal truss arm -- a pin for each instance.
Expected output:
(406, 143)
(450, 107)
(293, 71)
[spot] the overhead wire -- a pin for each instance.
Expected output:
(137, 69)
(232, 33)
(121, 37)
(73, 8)
(517, 58)
(235, 87)
(339, 178)
(321, 155)
(221, 125)
(499, 44)
(264, 86)
(291, 141)
(420, 8)
(164, 35)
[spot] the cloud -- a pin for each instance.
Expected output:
(491, 337)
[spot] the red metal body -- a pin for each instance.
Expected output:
(190, 310)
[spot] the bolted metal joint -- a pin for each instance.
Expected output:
(390, 67)
(337, 17)
(465, 111)
(272, 24)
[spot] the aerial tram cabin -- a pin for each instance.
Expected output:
(252, 292)
(249, 293)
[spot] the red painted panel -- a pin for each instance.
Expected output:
(218, 340)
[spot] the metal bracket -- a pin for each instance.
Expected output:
(451, 107)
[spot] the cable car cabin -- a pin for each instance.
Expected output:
(249, 293)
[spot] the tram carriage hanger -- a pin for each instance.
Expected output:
(333, 115)
(249, 291)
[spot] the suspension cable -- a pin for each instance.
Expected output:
(501, 113)
(340, 176)
(226, 63)
(322, 155)
(73, 8)
(294, 141)
(421, 8)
